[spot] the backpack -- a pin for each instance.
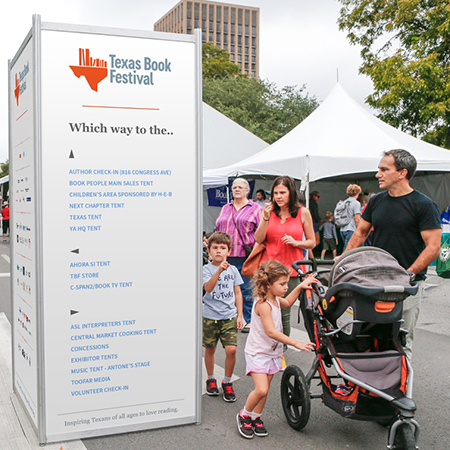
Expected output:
(342, 214)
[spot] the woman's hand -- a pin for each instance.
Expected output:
(266, 211)
(286, 239)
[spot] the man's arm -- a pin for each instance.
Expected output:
(432, 239)
(359, 236)
(357, 219)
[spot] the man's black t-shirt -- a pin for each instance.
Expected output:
(398, 221)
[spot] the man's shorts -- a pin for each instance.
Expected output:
(329, 244)
(225, 330)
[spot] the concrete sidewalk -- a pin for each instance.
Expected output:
(16, 431)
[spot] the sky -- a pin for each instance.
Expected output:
(300, 42)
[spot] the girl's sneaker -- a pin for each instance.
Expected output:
(258, 428)
(245, 427)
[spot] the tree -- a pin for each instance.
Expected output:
(216, 62)
(259, 106)
(406, 53)
(4, 169)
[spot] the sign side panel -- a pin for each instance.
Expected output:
(23, 228)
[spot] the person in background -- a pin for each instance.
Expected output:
(5, 220)
(240, 219)
(282, 226)
(330, 239)
(353, 191)
(261, 198)
(314, 198)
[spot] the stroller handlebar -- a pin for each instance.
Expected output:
(370, 291)
(314, 263)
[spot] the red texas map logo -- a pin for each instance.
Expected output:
(94, 70)
(17, 90)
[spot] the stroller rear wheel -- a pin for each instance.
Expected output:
(405, 438)
(295, 397)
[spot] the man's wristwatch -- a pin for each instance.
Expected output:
(412, 276)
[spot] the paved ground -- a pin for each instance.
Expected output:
(325, 430)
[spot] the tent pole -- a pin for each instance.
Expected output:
(307, 182)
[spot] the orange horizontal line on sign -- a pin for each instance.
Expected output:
(120, 107)
(21, 115)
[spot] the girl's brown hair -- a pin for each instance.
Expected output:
(268, 273)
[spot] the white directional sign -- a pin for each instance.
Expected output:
(119, 230)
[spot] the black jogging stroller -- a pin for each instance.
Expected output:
(354, 316)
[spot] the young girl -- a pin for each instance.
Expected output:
(264, 346)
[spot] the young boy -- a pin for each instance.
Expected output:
(222, 312)
(330, 239)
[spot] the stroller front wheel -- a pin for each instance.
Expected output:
(295, 397)
(405, 438)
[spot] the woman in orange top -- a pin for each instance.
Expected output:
(287, 230)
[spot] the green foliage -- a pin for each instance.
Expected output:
(216, 62)
(4, 169)
(259, 106)
(406, 52)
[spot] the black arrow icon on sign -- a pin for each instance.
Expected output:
(71, 154)
(72, 312)
(77, 251)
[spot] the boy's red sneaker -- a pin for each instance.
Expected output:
(211, 387)
(228, 392)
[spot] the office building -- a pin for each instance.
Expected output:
(233, 28)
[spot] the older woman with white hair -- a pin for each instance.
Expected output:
(240, 219)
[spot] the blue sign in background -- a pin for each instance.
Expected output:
(218, 196)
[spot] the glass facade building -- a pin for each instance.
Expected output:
(234, 28)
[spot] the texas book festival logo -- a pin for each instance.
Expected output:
(123, 71)
(21, 82)
(94, 70)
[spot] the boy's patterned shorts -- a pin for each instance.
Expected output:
(225, 330)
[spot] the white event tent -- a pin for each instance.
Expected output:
(342, 142)
(224, 141)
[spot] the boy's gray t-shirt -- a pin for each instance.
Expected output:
(329, 230)
(220, 303)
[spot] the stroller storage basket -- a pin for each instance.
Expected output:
(362, 406)
(384, 371)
